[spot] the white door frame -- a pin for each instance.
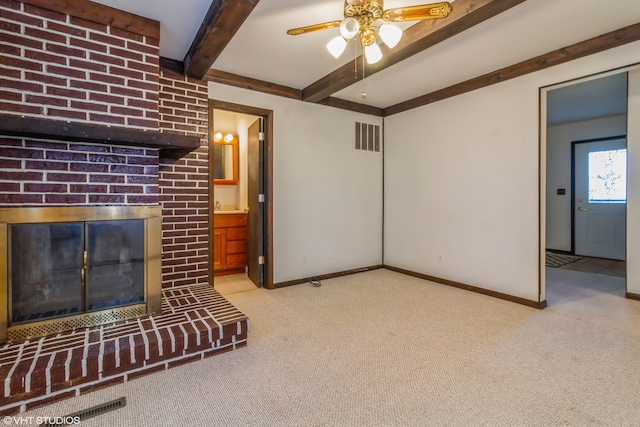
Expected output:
(267, 115)
(542, 161)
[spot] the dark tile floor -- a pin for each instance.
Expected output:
(610, 267)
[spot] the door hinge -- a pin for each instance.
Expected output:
(261, 136)
(260, 198)
(260, 260)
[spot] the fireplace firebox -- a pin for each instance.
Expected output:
(70, 267)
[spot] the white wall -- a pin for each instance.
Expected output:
(633, 191)
(327, 202)
(462, 181)
(559, 140)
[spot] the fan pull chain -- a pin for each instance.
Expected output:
(363, 95)
(355, 60)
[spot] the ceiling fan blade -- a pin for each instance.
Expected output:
(417, 13)
(311, 28)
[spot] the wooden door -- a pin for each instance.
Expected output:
(255, 220)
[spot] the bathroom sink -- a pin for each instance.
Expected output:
(229, 209)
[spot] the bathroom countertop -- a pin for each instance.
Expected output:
(236, 211)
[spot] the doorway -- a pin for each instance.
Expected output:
(583, 183)
(240, 195)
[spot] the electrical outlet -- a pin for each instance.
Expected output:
(440, 259)
(304, 259)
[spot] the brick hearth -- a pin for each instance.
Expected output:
(196, 322)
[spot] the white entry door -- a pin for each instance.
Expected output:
(600, 198)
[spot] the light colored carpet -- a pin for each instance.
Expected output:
(553, 259)
(384, 349)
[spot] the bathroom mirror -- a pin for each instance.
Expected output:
(225, 162)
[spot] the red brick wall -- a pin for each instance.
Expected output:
(39, 172)
(184, 183)
(65, 67)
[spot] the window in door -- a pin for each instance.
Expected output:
(608, 176)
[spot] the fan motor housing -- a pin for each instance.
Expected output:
(371, 8)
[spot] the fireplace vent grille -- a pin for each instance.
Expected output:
(23, 332)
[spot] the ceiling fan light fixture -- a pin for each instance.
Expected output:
(372, 53)
(367, 37)
(349, 28)
(390, 34)
(336, 46)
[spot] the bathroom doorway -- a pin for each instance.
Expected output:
(240, 197)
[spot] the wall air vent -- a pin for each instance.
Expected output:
(368, 138)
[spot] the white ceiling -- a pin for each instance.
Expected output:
(179, 20)
(261, 49)
(602, 97)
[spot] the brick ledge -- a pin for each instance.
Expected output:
(196, 322)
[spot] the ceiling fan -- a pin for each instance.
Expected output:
(367, 19)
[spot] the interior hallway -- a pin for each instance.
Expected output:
(610, 267)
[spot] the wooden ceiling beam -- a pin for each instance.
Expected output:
(352, 106)
(422, 35)
(236, 80)
(231, 79)
(172, 65)
(578, 50)
(222, 21)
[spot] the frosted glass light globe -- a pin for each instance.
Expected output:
(390, 34)
(336, 46)
(372, 53)
(349, 28)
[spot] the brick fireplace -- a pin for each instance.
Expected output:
(88, 118)
(73, 267)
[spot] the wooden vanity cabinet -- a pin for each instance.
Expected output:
(229, 243)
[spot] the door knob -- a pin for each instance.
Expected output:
(580, 208)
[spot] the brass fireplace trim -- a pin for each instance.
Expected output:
(68, 323)
(4, 292)
(153, 274)
(35, 215)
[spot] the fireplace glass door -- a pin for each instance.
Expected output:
(115, 261)
(63, 269)
(46, 271)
